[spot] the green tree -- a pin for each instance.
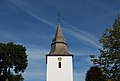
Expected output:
(16, 77)
(11, 77)
(109, 59)
(95, 74)
(13, 59)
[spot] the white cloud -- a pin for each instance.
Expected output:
(79, 76)
(34, 75)
(37, 53)
(40, 53)
(31, 10)
(81, 34)
(6, 35)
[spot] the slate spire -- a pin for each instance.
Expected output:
(59, 35)
(59, 45)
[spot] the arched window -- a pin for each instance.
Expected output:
(59, 64)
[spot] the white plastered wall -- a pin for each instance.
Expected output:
(54, 73)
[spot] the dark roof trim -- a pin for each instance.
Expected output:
(59, 55)
(59, 42)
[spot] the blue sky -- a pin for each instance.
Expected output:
(33, 23)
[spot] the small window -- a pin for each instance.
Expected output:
(59, 64)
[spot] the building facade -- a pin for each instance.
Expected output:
(59, 61)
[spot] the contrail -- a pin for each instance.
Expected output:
(31, 11)
(81, 34)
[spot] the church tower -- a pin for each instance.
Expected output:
(59, 61)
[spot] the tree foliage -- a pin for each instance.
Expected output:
(11, 77)
(109, 59)
(95, 74)
(13, 59)
(16, 77)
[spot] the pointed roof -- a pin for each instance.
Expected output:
(59, 35)
(59, 45)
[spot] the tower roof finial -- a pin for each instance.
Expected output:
(58, 17)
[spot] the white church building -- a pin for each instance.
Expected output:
(59, 61)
